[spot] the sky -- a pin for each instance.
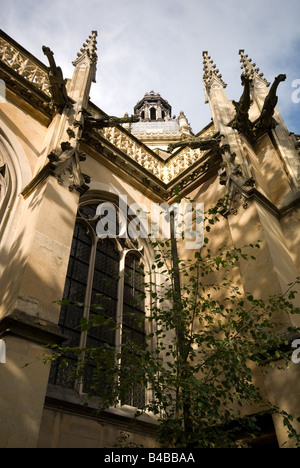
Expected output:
(157, 45)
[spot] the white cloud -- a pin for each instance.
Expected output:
(158, 44)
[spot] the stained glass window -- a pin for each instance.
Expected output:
(95, 270)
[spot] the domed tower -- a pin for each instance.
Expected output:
(153, 108)
(157, 128)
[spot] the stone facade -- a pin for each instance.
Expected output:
(58, 150)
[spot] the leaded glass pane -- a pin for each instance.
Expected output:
(105, 290)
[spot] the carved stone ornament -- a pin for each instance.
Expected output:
(67, 164)
(238, 185)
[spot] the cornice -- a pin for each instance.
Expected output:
(31, 328)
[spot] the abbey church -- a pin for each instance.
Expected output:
(61, 158)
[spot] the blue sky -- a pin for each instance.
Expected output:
(158, 44)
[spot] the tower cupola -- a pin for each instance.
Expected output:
(153, 108)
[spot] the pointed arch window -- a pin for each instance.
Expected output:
(110, 269)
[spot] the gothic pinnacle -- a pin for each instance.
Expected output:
(88, 49)
(250, 69)
(210, 71)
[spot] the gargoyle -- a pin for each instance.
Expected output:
(241, 122)
(57, 83)
(204, 144)
(266, 121)
(100, 121)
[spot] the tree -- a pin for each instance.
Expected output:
(207, 341)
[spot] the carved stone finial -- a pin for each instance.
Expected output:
(250, 70)
(210, 71)
(88, 49)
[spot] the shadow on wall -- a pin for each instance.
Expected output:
(36, 263)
